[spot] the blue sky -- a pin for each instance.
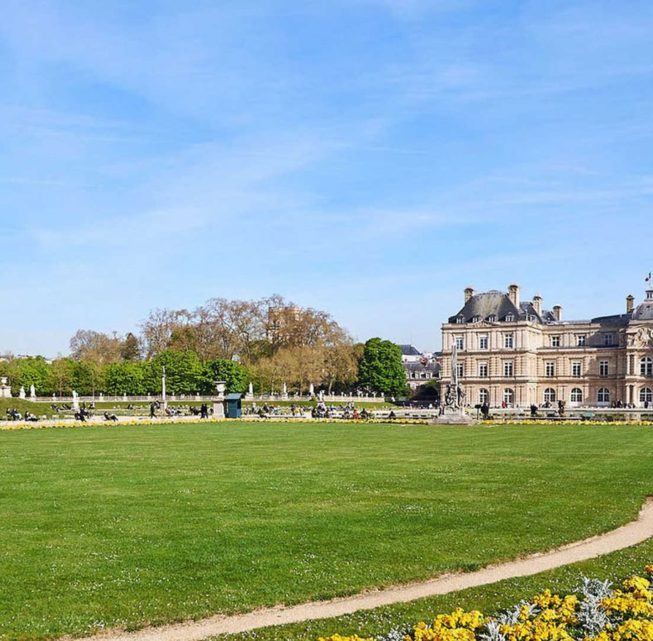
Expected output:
(367, 157)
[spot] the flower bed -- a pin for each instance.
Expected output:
(597, 613)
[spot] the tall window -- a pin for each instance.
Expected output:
(508, 341)
(482, 342)
(608, 340)
(508, 396)
(483, 370)
(604, 395)
(460, 370)
(646, 366)
(603, 368)
(549, 395)
(555, 341)
(460, 342)
(508, 368)
(581, 340)
(576, 395)
(576, 369)
(483, 396)
(646, 395)
(549, 369)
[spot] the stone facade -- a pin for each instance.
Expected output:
(420, 368)
(519, 354)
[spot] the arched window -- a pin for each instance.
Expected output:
(646, 395)
(604, 395)
(549, 395)
(483, 396)
(646, 366)
(509, 396)
(577, 395)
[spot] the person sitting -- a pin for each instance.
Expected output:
(110, 417)
(392, 416)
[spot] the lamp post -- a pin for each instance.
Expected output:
(164, 401)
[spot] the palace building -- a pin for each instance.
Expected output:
(516, 353)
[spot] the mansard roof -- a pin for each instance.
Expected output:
(497, 305)
(409, 350)
(422, 367)
(644, 311)
(615, 320)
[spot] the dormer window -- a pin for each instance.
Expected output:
(492, 318)
(476, 319)
(510, 317)
(460, 320)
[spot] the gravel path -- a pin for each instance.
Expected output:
(634, 532)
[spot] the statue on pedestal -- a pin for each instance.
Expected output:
(5, 388)
(453, 401)
(218, 401)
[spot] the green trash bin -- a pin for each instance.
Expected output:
(233, 405)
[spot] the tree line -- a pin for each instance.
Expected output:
(268, 342)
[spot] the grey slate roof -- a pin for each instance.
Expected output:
(499, 305)
(422, 367)
(615, 320)
(644, 311)
(409, 350)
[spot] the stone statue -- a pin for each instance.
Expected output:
(454, 396)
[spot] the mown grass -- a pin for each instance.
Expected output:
(489, 599)
(123, 526)
(22, 406)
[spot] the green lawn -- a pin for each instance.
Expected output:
(23, 405)
(127, 525)
(490, 599)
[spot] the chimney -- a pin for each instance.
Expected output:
(537, 304)
(513, 295)
(557, 312)
(630, 303)
(469, 292)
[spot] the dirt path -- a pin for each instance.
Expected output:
(634, 532)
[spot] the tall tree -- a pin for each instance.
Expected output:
(130, 349)
(380, 368)
(232, 373)
(89, 345)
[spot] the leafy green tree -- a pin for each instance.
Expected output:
(125, 378)
(184, 373)
(30, 371)
(234, 374)
(380, 368)
(61, 376)
(88, 378)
